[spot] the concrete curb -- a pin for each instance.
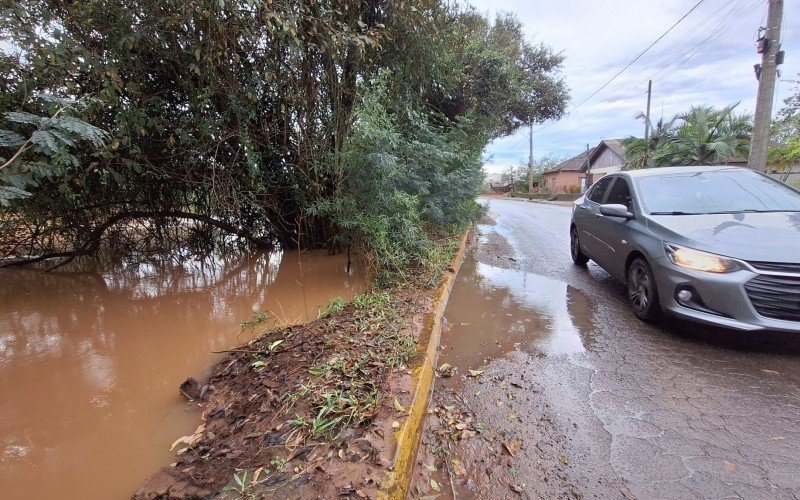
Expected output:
(397, 480)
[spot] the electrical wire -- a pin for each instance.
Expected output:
(691, 47)
(640, 54)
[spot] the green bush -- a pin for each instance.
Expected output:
(398, 177)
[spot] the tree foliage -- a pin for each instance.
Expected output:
(288, 120)
(703, 135)
(785, 150)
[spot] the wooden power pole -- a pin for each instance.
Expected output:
(647, 116)
(769, 46)
(530, 156)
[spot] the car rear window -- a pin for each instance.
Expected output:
(716, 191)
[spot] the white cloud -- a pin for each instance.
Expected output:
(707, 59)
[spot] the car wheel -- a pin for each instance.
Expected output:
(642, 292)
(578, 257)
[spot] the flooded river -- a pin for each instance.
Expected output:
(90, 363)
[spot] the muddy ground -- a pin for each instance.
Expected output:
(304, 412)
(490, 459)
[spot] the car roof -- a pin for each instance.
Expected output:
(650, 172)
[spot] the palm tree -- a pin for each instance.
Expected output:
(709, 136)
(646, 153)
(703, 136)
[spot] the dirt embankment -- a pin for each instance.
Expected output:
(307, 411)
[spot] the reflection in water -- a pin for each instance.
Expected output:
(90, 363)
(493, 311)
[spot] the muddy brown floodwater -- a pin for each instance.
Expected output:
(90, 363)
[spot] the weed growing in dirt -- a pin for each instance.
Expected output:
(335, 305)
(257, 318)
(242, 487)
(437, 258)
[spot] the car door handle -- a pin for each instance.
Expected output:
(583, 207)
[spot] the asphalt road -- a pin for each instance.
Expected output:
(578, 398)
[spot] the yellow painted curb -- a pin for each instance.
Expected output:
(397, 480)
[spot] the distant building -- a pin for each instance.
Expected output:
(569, 175)
(608, 157)
(579, 172)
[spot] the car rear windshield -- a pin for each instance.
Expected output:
(716, 191)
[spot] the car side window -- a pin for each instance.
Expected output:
(599, 189)
(620, 194)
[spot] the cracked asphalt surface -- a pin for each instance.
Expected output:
(576, 398)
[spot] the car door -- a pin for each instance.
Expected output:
(586, 215)
(613, 233)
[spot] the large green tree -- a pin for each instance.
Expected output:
(244, 114)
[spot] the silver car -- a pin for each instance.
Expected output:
(716, 245)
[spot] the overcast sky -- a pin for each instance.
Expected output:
(707, 59)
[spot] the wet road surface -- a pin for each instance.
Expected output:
(571, 396)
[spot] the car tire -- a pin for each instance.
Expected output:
(642, 291)
(578, 257)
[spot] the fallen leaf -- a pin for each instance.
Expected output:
(430, 468)
(398, 406)
(776, 438)
(729, 466)
(512, 447)
(458, 468)
(436, 486)
(190, 440)
(341, 453)
(564, 459)
(466, 434)
(475, 373)
(519, 488)
(256, 474)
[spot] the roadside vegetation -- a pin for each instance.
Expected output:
(704, 135)
(785, 152)
(340, 125)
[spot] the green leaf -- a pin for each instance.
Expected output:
(436, 486)
(25, 118)
(9, 139)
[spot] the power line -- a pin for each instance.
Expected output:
(722, 23)
(640, 54)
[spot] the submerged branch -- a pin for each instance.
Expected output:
(91, 243)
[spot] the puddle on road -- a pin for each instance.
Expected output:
(90, 363)
(493, 311)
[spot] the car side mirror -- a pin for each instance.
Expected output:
(616, 210)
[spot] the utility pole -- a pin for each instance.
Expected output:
(647, 116)
(768, 46)
(530, 156)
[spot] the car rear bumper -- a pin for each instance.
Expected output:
(723, 299)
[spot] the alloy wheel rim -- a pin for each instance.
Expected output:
(639, 288)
